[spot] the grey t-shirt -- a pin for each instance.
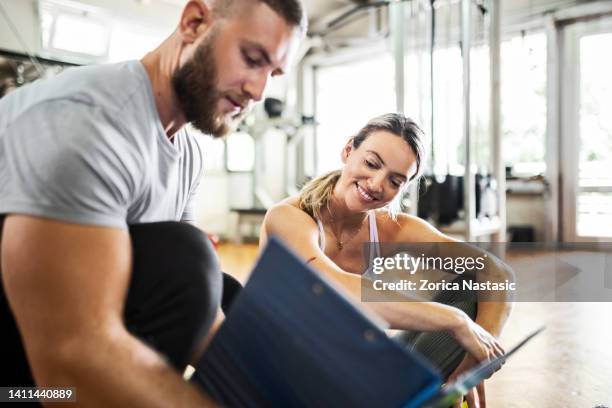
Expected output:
(88, 147)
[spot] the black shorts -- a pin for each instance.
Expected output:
(174, 293)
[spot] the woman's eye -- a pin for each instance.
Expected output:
(371, 164)
(396, 183)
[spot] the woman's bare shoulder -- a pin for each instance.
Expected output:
(288, 212)
(294, 226)
(293, 201)
(289, 205)
(404, 228)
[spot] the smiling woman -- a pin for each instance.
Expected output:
(379, 138)
(334, 215)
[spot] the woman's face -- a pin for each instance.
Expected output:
(376, 171)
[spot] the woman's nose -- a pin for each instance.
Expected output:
(376, 182)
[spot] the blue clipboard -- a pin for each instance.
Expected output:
(291, 340)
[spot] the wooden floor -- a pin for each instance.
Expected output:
(237, 260)
(569, 365)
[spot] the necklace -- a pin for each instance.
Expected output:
(339, 243)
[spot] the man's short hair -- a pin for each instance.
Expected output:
(292, 11)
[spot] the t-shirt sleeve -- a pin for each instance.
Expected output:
(196, 170)
(69, 161)
(189, 211)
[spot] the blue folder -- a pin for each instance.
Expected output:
(291, 340)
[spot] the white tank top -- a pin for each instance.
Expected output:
(374, 249)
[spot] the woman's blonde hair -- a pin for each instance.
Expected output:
(315, 195)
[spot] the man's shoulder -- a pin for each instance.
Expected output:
(113, 88)
(63, 132)
(108, 86)
(113, 101)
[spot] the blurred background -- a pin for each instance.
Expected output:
(514, 96)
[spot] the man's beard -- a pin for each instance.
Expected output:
(195, 88)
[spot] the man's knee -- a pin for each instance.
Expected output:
(189, 251)
(201, 274)
(178, 249)
(175, 289)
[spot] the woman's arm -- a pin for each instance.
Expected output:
(299, 231)
(492, 315)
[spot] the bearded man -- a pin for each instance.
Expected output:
(103, 289)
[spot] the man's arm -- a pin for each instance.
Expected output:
(66, 284)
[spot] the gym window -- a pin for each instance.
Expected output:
(84, 34)
(523, 103)
(74, 31)
(348, 95)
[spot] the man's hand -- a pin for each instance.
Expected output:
(66, 285)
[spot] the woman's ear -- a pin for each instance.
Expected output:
(346, 150)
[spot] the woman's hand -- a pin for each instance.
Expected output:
(481, 346)
(475, 397)
(478, 342)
